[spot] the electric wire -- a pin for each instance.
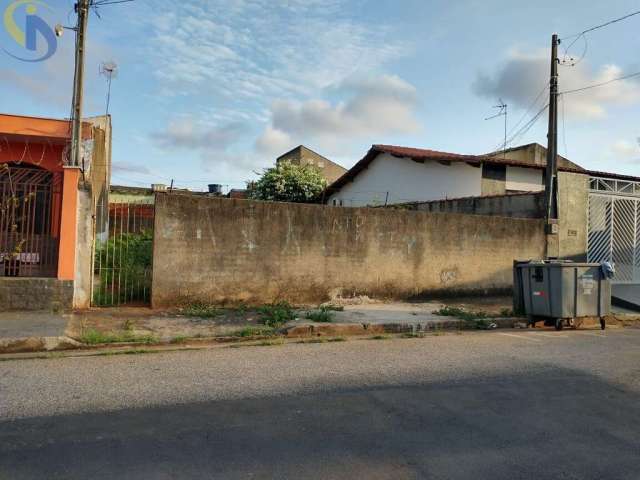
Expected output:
(600, 84)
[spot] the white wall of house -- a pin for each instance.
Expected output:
(408, 181)
(524, 179)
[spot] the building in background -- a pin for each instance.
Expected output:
(390, 175)
(302, 155)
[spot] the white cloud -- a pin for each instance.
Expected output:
(186, 133)
(274, 142)
(51, 82)
(246, 50)
(625, 150)
(374, 107)
(524, 75)
(126, 167)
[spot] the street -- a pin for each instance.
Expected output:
(509, 404)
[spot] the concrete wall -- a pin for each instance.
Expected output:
(524, 179)
(84, 250)
(18, 293)
(409, 181)
(222, 250)
(573, 206)
(529, 205)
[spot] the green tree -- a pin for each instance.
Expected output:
(287, 182)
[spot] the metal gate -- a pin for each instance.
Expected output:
(123, 254)
(614, 226)
(30, 200)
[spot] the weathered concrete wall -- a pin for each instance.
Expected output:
(573, 205)
(84, 249)
(18, 293)
(223, 250)
(529, 205)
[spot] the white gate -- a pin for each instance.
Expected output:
(614, 226)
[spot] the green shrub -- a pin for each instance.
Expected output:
(448, 311)
(276, 314)
(322, 315)
(123, 264)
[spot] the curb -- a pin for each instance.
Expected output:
(38, 344)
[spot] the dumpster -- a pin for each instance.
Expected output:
(559, 292)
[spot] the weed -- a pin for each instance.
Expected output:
(94, 337)
(255, 332)
(128, 325)
(507, 312)
(179, 339)
(136, 351)
(276, 314)
(413, 335)
(380, 337)
(323, 340)
(322, 315)
(271, 343)
(333, 308)
(202, 310)
(460, 313)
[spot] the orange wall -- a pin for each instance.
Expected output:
(68, 221)
(45, 155)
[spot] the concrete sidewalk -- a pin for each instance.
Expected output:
(34, 331)
(95, 328)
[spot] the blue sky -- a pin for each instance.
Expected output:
(213, 91)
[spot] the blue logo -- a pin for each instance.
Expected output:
(23, 24)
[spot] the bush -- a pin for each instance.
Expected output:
(288, 183)
(124, 265)
(276, 314)
(322, 315)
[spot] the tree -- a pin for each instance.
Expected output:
(287, 182)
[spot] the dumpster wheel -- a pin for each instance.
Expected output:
(559, 324)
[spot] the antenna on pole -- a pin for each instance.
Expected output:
(503, 111)
(109, 70)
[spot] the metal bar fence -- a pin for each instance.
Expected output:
(29, 225)
(123, 254)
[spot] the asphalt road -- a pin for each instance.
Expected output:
(496, 405)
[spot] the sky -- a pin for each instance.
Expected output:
(212, 91)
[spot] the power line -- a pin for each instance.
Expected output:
(601, 84)
(582, 34)
(602, 25)
(564, 131)
(527, 126)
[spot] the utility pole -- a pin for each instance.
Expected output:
(82, 9)
(551, 180)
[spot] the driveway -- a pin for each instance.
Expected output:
(495, 405)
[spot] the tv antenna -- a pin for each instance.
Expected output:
(109, 70)
(502, 111)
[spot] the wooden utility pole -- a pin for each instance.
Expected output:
(82, 9)
(551, 180)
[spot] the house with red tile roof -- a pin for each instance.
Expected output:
(390, 175)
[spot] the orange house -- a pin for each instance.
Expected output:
(39, 211)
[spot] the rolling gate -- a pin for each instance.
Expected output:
(614, 234)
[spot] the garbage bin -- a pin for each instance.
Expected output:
(562, 291)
